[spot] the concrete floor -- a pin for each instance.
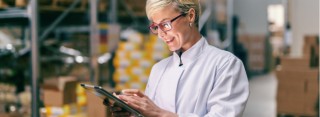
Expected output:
(262, 99)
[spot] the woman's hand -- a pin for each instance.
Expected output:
(115, 110)
(143, 104)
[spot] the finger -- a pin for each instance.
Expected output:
(133, 101)
(114, 94)
(106, 102)
(121, 114)
(115, 109)
(133, 92)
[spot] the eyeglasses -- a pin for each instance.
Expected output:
(164, 26)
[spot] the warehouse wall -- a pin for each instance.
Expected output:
(305, 20)
(253, 14)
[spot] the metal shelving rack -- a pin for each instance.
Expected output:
(208, 17)
(14, 13)
(31, 13)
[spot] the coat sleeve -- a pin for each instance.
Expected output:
(156, 70)
(149, 84)
(230, 92)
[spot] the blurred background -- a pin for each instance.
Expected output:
(49, 47)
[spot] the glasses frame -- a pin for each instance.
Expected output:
(168, 22)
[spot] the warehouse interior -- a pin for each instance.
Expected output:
(49, 47)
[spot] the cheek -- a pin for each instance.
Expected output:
(182, 29)
(181, 35)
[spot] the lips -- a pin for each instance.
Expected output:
(169, 40)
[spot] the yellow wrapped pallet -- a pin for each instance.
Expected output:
(143, 78)
(134, 59)
(136, 55)
(137, 85)
(146, 63)
(122, 54)
(128, 46)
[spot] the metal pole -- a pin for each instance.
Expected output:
(93, 41)
(33, 7)
(285, 9)
(113, 12)
(204, 18)
(229, 24)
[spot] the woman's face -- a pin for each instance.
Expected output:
(179, 35)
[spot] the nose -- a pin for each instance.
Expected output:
(161, 33)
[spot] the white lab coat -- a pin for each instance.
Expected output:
(210, 83)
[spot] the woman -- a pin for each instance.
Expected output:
(198, 79)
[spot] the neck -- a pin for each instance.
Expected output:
(194, 37)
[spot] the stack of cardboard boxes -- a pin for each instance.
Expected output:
(60, 96)
(95, 107)
(59, 91)
(298, 81)
(64, 97)
(255, 45)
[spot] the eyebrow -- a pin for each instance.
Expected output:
(161, 20)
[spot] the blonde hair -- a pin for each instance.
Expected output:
(183, 6)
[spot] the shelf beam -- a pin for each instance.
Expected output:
(13, 13)
(59, 19)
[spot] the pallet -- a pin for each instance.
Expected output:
(21, 3)
(3, 4)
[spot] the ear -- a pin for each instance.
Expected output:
(191, 15)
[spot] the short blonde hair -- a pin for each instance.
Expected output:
(183, 6)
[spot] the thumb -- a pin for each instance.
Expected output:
(134, 92)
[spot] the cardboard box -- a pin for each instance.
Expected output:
(295, 104)
(297, 91)
(21, 3)
(11, 115)
(290, 103)
(255, 45)
(256, 52)
(311, 40)
(95, 107)
(310, 104)
(59, 91)
(312, 52)
(295, 64)
(306, 81)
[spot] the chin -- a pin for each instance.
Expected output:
(173, 49)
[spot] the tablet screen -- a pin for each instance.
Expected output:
(103, 94)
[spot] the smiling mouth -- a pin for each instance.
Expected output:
(169, 41)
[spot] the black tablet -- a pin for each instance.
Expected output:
(100, 92)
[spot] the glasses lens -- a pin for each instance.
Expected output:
(154, 29)
(165, 26)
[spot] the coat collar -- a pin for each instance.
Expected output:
(191, 54)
